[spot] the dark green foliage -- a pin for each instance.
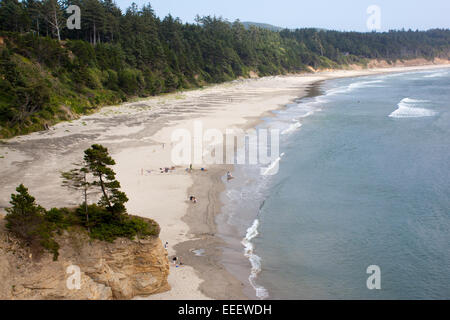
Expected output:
(249, 24)
(85, 55)
(24, 88)
(106, 227)
(98, 162)
(25, 217)
(37, 227)
(131, 81)
(61, 219)
(27, 221)
(118, 55)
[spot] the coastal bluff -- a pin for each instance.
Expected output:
(109, 271)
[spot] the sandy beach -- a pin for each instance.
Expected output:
(138, 135)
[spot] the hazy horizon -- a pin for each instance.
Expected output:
(343, 15)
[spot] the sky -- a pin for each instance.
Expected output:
(342, 15)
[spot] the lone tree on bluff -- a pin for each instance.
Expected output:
(98, 161)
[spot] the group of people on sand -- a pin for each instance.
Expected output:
(177, 262)
(161, 170)
(166, 169)
(191, 168)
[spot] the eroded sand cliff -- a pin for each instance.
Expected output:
(120, 270)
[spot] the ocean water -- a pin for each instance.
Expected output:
(364, 180)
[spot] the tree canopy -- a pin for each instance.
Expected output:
(98, 162)
(47, 69)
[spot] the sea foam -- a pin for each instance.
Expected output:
(407, 108)
(437, 75)
(293, 127)
(354, 86)
(255, 260)
(270, 169)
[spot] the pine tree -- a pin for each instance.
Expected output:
(25, 217)
(94, 19)
(98, 162)
(33, 9)
(10, 15)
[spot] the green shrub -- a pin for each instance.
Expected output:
(105, 226)
(47, 241)
(92, 79)
(131, 81)
(61, 218)
(111, 80)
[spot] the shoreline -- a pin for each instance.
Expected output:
(208, 267)
(138, 135)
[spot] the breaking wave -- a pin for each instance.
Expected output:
(353, 86)
(437, 75)
(270, 170)
(255, 260)
(407, 108)
(293, 127)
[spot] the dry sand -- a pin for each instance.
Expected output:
(138, 136)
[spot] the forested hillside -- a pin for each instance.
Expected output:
(50, 73)
(249, 24)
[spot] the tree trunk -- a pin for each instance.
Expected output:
(86, 204)
(102, 185)
(56, 25)
(94, 35)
